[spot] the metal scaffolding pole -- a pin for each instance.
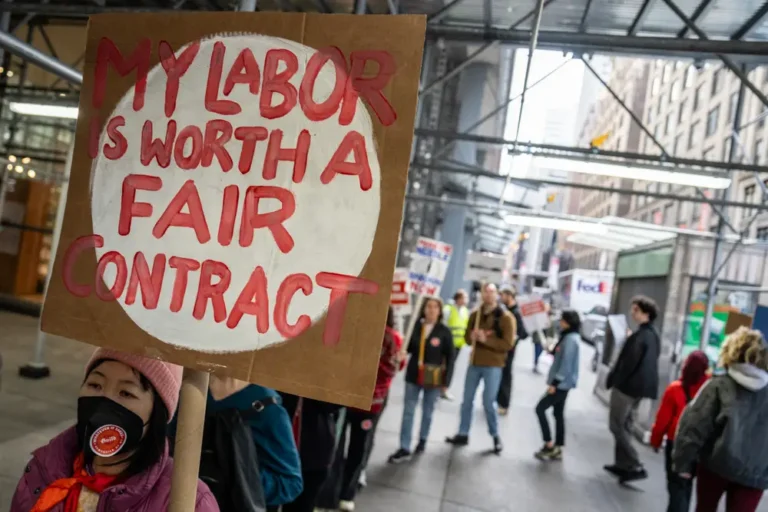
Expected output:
(670, 47)
(247, 5)
(718, 261)
(523, 182)
(40, 59)
(531, 50)
(361, 6)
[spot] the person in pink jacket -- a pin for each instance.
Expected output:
(116, 458)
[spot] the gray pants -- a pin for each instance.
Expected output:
(622, 417)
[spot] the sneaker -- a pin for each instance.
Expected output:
(498, 446)
(446, 395)
(346, 506)
(536, 370)
(421, 447)
(634, 475)
(549, 453)
(399, 456)
(458, 440)
(503, 411)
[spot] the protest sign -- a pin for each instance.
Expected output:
(533, 309)
(428, 266)
(226, 203)
(400, 295)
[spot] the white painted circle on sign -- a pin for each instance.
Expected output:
(333, 225)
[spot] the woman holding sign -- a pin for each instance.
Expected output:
(429, 368)
(116, 457)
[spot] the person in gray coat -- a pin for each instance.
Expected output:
(563, 377)
(722, 433)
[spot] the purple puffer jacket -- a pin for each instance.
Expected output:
(147, 492)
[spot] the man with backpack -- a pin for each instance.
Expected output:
(491, 333)
(509, 299)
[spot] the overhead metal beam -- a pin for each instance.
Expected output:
(598, 188)
(638, 158)
(642, 15)
(585, 16)
(442, 12)
(42, 60)
(756, 20)
(670, 47)
(700, 13)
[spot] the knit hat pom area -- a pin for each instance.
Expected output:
(164, 377)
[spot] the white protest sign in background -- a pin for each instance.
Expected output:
(428, 266)
(485, 267)
(533, 309)
(239, 207)
(401, 297)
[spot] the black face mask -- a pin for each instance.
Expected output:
(106, 428)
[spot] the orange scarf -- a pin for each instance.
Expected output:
(68, 489)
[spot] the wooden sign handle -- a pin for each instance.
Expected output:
(189, 440)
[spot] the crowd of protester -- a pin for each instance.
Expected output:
(267, 451)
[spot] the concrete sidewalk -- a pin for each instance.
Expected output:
(442, 480)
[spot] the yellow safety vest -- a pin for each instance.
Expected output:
(457, 320)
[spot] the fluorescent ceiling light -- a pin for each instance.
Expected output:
(43, 110)
(702, 180)
(556, 223)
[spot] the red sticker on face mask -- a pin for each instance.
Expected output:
(366, 425)
(108, 440)
(435, 342)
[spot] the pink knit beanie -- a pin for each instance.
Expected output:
(165, 377)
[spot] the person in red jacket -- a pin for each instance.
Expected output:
(362, 424)
(678, 394)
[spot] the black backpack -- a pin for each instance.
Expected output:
(228, 463)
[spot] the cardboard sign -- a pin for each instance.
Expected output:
(228, 182)
(534, 312)
(400, 294)
(428, 266)
(485, 267)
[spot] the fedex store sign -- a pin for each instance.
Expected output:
(593, 286)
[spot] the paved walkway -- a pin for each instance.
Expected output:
(442, 480)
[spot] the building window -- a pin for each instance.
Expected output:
(667, 73)
(693, 135)
(727, 149)
(681, 112)
(690, 76)
(759, 152)
(668, 214)
(650, 116)
(732, 104)
(675, 94)
(717, 79)
(668, 124)
(712, 120)
(763, 113)
(749, 197)
(677, 145)
(656, 86)
(697, 98)
(762, 233)
(662, 102)
(683, 213)
(707, 155)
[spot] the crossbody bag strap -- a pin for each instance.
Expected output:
(422, 345)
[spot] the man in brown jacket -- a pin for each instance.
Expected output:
(491, 340)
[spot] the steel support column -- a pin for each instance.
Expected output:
(718, 261)
(247, 5)
(361, 6)
(38, 58)
(456, 70)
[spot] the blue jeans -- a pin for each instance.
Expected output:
(412, 392)
(491, 376)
